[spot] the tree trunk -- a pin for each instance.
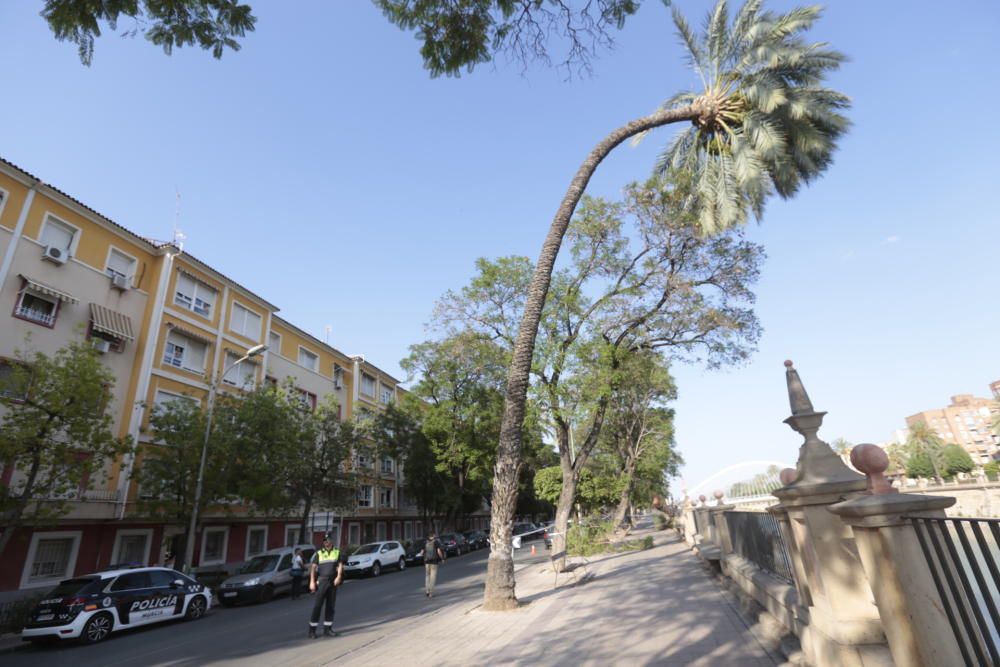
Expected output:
(499, 592)
(304, 533)
(563, 509)
(13, 520)
(621, 512)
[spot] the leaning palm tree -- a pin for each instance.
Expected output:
(760, 124)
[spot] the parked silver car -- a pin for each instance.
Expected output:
(264, 576)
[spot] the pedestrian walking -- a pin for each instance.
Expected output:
(326, 572)
(433, 556)
(298, 571)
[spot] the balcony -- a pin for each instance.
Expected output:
(32, 315)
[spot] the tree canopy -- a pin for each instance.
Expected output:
(56, 432)
(214, 25)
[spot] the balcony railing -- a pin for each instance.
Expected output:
(39, 316)
(757, 537)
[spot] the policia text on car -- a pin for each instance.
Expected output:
(326, 572)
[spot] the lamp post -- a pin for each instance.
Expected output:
(189, 542)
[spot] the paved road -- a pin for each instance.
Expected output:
(275, 633)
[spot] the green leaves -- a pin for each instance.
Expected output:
(766, 125)
(458, 35)
(56, 431)
(214, 25)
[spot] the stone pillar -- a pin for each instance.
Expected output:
(844, 626)
(721, 530)
(913, 618)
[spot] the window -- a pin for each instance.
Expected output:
(407, 531)
(396, 530)
(194, 295)
(132, 546)
(245, 322)
(51, 557)
(308, 359)
(120, 264)
(364, 460)
(132, 581)
(367, 385)
(58, 234)
(387, 464)
(256, 540)
(307, 398)
(36, 308)
(385, 497)
(12, 383)
(291, 535)
(354, 533)
(161, 579)
(386, 395)
(163, 398)
(274, 343)
(380, 533)
(183, 352)
(213, 546)
(365, 496)
(242, 374)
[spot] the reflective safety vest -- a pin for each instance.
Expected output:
(325, 555)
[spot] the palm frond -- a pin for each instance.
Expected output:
(717, 35)
(696, 55)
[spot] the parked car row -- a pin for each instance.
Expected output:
(91, 607)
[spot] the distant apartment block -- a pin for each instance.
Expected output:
(968, 422)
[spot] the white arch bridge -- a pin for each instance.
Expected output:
(744, 483)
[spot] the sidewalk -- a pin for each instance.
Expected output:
(653, 607)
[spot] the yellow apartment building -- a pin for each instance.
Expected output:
(166, 323)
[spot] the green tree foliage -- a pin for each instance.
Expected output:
(924, 453)
(641, 278)
(598, 487)
(55, 432)
(460, 35)
(214, 25)
(460, 379)
(956, 460)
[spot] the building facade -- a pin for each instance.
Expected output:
(967, 421)
(165, 323)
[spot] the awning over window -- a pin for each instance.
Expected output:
(48, 290)
(191, 333)
(111, 322)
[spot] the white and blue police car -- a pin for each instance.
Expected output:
(93, 606)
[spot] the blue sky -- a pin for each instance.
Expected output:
(324, 169)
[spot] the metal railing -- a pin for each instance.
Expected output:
(963, 556)
(757, 537)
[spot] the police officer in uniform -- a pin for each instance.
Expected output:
(326, 572)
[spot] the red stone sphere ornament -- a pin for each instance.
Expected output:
(703, 499)
(873, 462)
(788, 475)
(719, 495)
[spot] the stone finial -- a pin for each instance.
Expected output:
(702, 499)
(788, 475)
(797, 396)
(719, 495)
(873, 462)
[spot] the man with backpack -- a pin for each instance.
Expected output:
(433, 556)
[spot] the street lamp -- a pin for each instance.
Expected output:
(189, 542)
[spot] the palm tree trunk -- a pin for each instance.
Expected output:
(499, 592)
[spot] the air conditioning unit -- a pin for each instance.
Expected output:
(119, 282)
(102, 345)
(54, 254)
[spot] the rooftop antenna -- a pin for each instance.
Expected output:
(178, 234)
(327, 329)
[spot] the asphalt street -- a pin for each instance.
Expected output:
(275, 633)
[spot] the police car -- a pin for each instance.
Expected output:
(93, 606)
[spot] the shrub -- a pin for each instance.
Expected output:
(660, 522)
(14, 614)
